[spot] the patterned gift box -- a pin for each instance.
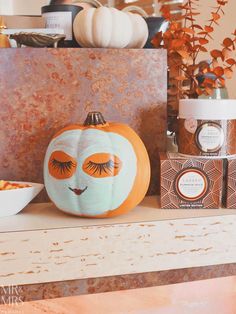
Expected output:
(190, 183)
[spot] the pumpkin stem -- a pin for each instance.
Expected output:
(94, 119)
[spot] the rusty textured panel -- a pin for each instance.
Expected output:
(43, 90)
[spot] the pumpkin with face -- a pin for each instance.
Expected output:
(96, 169)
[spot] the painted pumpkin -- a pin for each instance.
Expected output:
(110, 28)
(96, 169)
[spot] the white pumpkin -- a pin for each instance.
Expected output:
(103, 28)
(110, 28)
(140, 28)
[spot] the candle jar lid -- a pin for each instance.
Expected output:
(207, 109)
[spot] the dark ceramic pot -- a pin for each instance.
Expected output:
(155, 25)
(62, 16)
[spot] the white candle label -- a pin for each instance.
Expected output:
(191, 184)
(190, 125)
(209, 137)
(60, 20)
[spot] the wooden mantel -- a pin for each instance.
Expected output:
(42, 245)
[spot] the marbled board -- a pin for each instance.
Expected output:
(43, 90)
(216, 296)
(62, 289)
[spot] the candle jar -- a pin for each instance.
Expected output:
(207, 127)
(61, 16)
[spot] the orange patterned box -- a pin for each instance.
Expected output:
(231, 183)
(190, 183)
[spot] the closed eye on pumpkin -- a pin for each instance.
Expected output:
(61, 165)
(102, 165)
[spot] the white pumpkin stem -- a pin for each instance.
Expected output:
(95, 118)
(134, 8)
(94, 3)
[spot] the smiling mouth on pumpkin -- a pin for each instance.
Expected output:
(78, 191)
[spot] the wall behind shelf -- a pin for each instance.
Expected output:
(21, 7)
(225, 29)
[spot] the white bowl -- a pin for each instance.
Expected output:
(13, 201)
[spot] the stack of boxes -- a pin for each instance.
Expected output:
(203, 173)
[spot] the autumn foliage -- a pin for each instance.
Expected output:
(185, 39)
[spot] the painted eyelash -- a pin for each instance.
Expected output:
(62, 166)
(104, 167)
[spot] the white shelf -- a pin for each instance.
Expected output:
(47, 216)
(44, 245)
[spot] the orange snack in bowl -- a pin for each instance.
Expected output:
(6, 185)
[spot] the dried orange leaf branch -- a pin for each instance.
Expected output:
(185, 39)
